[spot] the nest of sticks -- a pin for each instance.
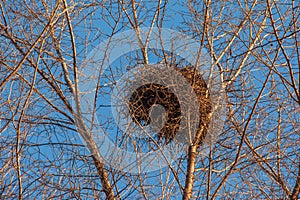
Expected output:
(150, 94)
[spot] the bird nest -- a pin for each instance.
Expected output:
(148, 95)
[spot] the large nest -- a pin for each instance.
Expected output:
(144, 97)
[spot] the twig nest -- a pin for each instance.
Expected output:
(148, 95)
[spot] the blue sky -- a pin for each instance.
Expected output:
(49, 147)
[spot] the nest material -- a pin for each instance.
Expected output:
(144, 97)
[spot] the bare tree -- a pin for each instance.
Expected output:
(47, 149)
